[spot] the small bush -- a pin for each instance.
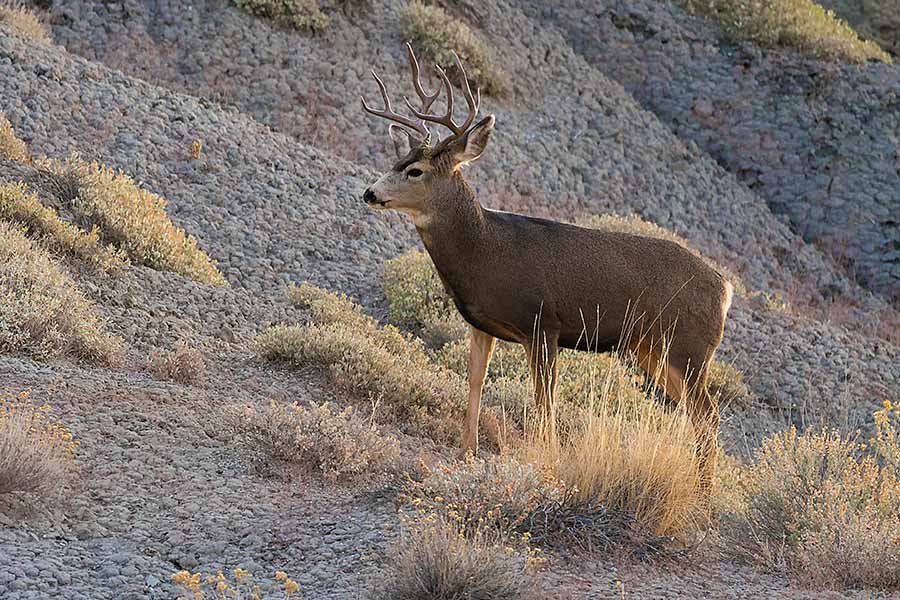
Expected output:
(799, 24)
(131, 218)
(238, 585)
(434, 561)
(37, 452)
(11, 146)
(182, 364)
(727, 383)
(24, 21)
(439, 34)
(876, 20)
(337, 444)
(822, 506)
(19, 206)
(304, 15)
(42, 312)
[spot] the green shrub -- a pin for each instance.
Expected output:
(822, 506)
(304, 15)
(129, 217)
(799, 24)
(42, 312)
(20, 207)
(440, 34)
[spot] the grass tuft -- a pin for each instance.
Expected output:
(19, 206)
(336, 444)
(42, 312)
(435, 561)
(182, 364)
(129, 217)
(303, 15)
(799, 24)
(439, 34)
(37, 452)
(11, 146)
(24, 21)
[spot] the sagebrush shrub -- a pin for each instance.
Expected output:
(19, 206)
(440, 34)
(434, 560)
(131, 218)
(24, 21)
(799, 24)
(823, 506)
(338, 444)
(304, 15)
(42, 311)
(37, 452)
(182, 364)
(11, 146)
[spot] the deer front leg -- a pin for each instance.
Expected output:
(481, 348)
(542, 355)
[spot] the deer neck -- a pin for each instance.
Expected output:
(454, 234)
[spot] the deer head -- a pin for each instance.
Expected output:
(422, 181)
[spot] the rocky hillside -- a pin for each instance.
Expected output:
(254, 135)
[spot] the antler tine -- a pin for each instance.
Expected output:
(447, 118)
(426, 98)
(388, 112)
(473, 103)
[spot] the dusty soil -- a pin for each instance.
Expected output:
(275, 198)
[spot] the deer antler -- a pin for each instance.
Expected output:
(419, 126)
(447, 118)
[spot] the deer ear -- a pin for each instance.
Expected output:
(472, 146)
(404, 140)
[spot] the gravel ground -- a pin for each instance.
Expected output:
(160, 488)
(819, 142)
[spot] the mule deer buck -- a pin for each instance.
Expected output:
(543, 283)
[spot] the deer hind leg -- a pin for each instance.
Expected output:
(481, 348)
(681, 385)
(542, 362)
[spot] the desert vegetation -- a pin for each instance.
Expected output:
(11, 146)
(43, 313)
(238, 584)
(800, 24)
(439, 34)
(338, 444)
(37, 451)
(875, 20)
(24, 21)
(183, 364)
(304, 15)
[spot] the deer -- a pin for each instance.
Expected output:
(546, 284)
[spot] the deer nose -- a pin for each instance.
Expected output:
(369, 196)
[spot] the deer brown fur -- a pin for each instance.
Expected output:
(548, 285)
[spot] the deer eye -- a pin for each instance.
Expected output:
(414, 173)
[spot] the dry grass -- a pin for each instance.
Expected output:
(19, 206)
(440, 34)
(182, 364)
(823, 507)
(37, 452)
(799, 24)
(11, 146)
(42, 312)
(876, 20)
(237, 585)
(130, 217)
(304, 15)
(635, 225)
(434, 560)
(24, 21)
(336, 444)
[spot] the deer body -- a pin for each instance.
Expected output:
(545, 284)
